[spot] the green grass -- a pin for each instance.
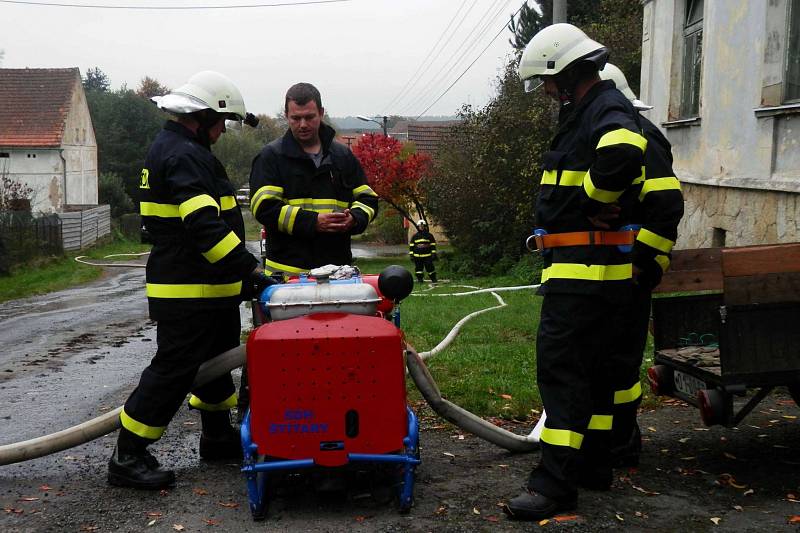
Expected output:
(55, 273)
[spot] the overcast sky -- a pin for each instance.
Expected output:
(359, 53)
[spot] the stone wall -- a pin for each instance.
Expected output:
(726, 216)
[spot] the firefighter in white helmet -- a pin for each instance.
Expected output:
(658, 208)
(422, 249)
(197, 274)
(587, 282)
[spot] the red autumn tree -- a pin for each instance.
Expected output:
(394, 171)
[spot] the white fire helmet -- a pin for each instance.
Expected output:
(205, 90)
(613, 73)
(555, 48)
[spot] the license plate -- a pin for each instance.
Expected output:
(687, 384)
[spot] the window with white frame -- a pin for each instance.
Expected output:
(792, 85)
(692, 59)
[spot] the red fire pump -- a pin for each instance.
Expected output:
(327, 381)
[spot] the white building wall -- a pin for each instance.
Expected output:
(80, 152)
(43, 171)
(740, 163)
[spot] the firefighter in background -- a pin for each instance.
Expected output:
(422, 249)
(197, 274)
(658, 208)
(595, 156)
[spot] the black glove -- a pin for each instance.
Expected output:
(255, 284)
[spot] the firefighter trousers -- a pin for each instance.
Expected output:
(628, 387)
(421, 264)
(579, 351)
(183, 345)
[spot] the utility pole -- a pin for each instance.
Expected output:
(559, 11)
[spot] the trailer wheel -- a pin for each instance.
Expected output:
(713, 406)
(794, 391)
(660, 378)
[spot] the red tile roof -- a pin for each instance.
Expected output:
(427, 136)
(34, 104)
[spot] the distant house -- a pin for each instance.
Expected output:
(427, 136)
(47, 140)
(724, 80)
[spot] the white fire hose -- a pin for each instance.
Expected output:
(452, 412)
(234, 358)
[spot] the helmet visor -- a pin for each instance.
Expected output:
(532, 84)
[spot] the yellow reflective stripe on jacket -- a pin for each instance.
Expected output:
(193, 290)
(628, 395)
(152, 209)
(601, 422)
(143, 430)
(639, 180)
(622, 136)
(320, 205)
(271, 192)
(572, 178)
(587, 272)
(227, 202)
(198, 202)
(569, 178)
(364, 189)
(274, 266)
(561, 437)
(286, 218)
(367, 209)
(224, 405)
(601, 195)
(222, 248)
(663, 262)
(654, 240)
(659, 184)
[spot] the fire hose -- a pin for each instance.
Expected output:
(234, 358)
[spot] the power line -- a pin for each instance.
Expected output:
(138, 7)
(470, 65)
(494, 10)
(408, 83)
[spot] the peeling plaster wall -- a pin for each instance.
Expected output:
(740, 170)
(43, 171)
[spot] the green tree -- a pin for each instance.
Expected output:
(111, 191)
(96, 80)
(237, 148)
(149, 87)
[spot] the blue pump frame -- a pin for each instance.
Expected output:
(256, 472)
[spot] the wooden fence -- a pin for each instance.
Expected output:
(23, 237)
(82, 226)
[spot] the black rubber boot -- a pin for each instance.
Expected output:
(627, 455)
(532, 505)
(219, 440)
(433, 277)
(133, 466)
